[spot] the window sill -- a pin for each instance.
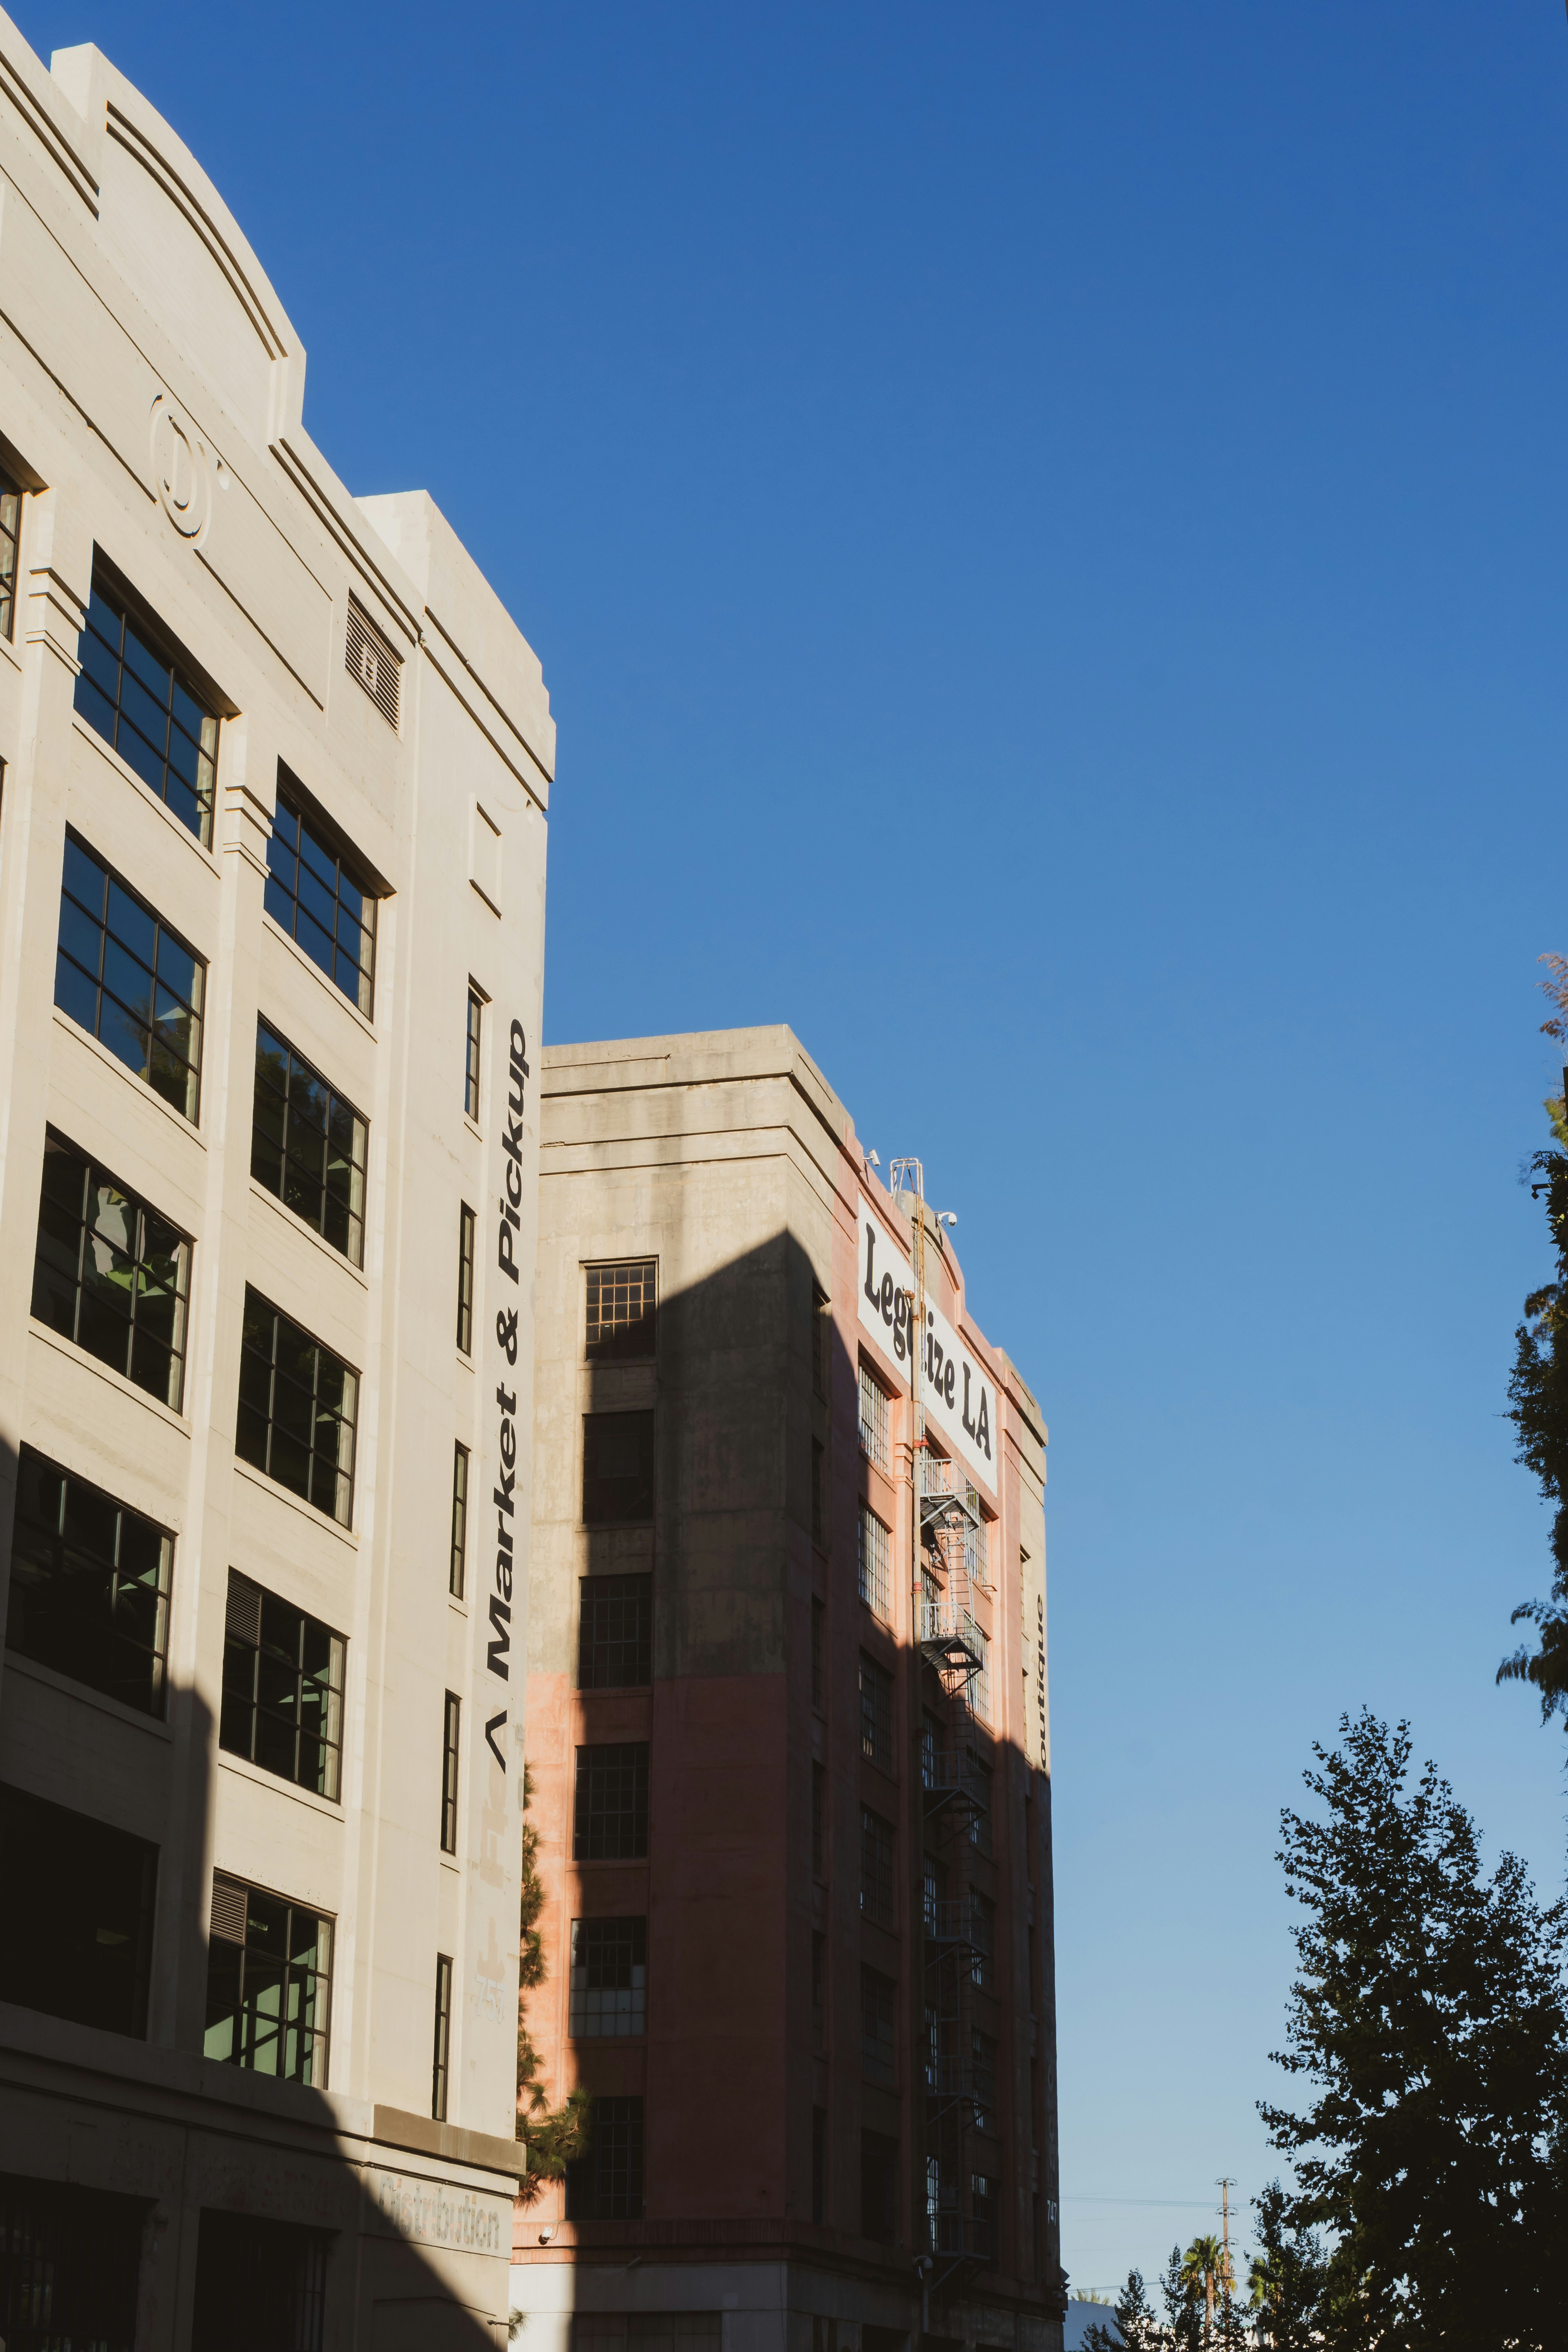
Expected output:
(281, 1493)
(475, 1130)
(127, 1388)
(296, 1225)
(100, 1052)
(275, 927)
(457, 1605)
(123, 768)
(35, 1670)
(243, 1770)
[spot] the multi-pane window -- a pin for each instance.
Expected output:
(618, 1469)
(282, 1689)
(610, 1818)
(930, 1742)
(142, 703)
(875, 1714)
(978, 1775)
(451, 1742)
(90, 1586)
(876, 1868)
(76, 1926)
(818, 1822)
(297, 1408)
(821, 1333)
(460, 1520)
(977, 1691)
(873, 1561)
(983, 1938)
(321, 900)
(111, 1272)
(10, 531)
(609, 1980)
(307, 1145)
(471, 1053)
(466, 1279)
(818, 1615)
(873, 1418)
(606, 2185)
(817, 1456)
(269, 1968)
(615, 1633)
(441, 2065)
(933, 1894)
(128, 980)
(622, 1311)
(983, 2078)
(878, 2011)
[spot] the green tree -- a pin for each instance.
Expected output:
(1538, 1396)
(1285, 2279)
(1137, 2328)
(1430, 2017)
(553, 2137)
(1184, 2315)
(1202, 2270)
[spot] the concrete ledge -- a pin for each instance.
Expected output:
(421, 2135)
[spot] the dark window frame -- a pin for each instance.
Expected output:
(72, 1554)
(606, 2185)
(607, 1956)
(272, 1700)
(339, 1206)
(124, 655)
(441, 2062)
(11, 498)
(107, 1879)
(145, 1350)
(143, 1035)
(610, 1802)
(875, 1685)
(612, 1655)
(472, 1052)
(293, 1976)
(451, 1754)
(344, 1417)
(467, 1230)
(879, 2027)
(878, 1853)
(300, 845)
(621, 1310)
(455, 1569)
(620, 1497)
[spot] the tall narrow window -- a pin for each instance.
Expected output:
(817, 1456)
(450, 1739)
(471, 1053)
(819, 2192)
(818, 1822)
(466, 1279)
(618, 1469)
(111, 1272)
(606, 2185)
(297, 1408)
(307, 1145)
(321, 900)
(10, 532)
(821, 1329)
(873, 1419)
(90, 1586)
(269, 1968)
(443, 2058)
(460, 1520)
(129, 980)
(282, 1689)
(876, 1868)
(875, 1714)
(139, 701)
(818, 1971)
(818, 1615)
(873, 1562)
(878, 2011)
(621, 1311)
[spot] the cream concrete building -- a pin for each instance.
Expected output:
(272, 855)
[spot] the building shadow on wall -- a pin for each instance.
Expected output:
(820, 2165)
(156, 2195)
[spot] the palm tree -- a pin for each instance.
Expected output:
(1206, 2269)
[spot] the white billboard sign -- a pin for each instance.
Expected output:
(960, 1399)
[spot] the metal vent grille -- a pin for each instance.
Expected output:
(243, 1614)
(228, 1909)
(371, 659)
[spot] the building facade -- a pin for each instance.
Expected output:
(275, 766)
(788, 1736)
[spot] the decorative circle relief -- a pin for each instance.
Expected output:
(181, 468)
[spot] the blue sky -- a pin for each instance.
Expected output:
(1044, 528)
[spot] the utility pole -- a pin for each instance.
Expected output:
(1225, 2188)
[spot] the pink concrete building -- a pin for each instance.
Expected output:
(787, 1726)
